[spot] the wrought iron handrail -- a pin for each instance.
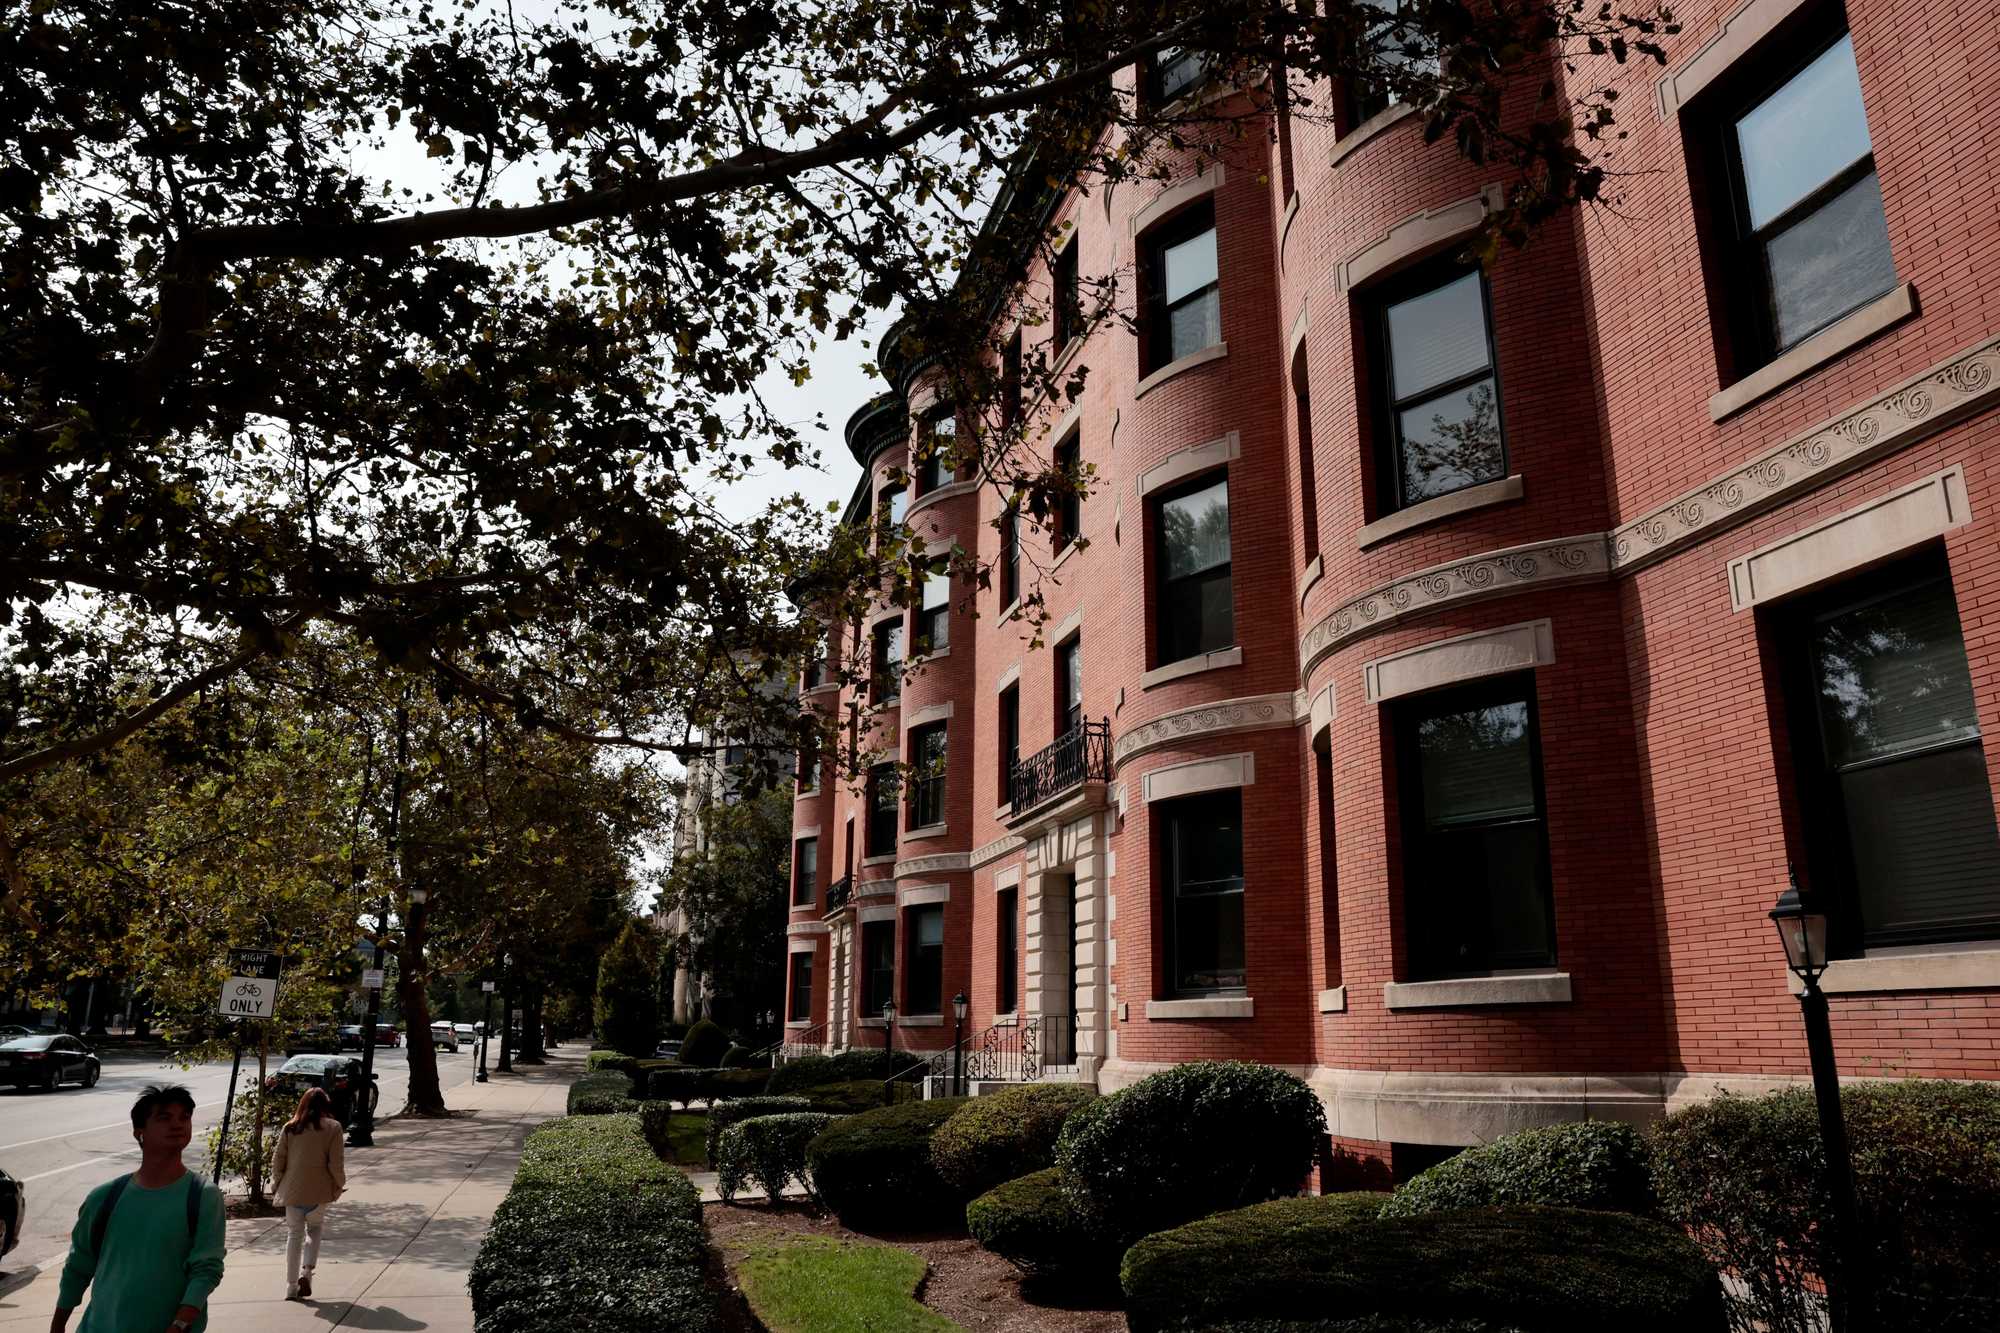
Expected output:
(837, 894)
(809, 1041)
(1000, 1054)
(1080, 755)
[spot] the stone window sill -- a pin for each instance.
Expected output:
(1192, 666)
(933, 655)
(1829, 344)
(1173, 368)
(1006, 1020)
(1476, 992)
(1009, 611)
(1069, 549)
(1438, 508)
(1333, 1001)
(885, 859)
(1309, 580)
(1002, 812)
(1959, 970)
(1369, 129)
(1223, 1006)
(927, 831)
(940, 493)
(827, 687)
(919, 1020)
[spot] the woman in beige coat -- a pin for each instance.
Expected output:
(311, 1173)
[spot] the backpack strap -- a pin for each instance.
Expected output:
(102, 1222)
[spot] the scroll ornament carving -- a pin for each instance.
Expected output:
(1928, 403)
(929, 865)
(1230, 715)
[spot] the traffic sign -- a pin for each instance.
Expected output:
(372, 978)
(248, 997)
(486, 986)
(264, 964)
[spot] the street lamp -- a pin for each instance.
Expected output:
(958, 1008)
(1802, 932)
(506, 1014)
(889, 1028)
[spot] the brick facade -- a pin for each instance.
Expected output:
(1668, 794)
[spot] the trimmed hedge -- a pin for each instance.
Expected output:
(1034, 1224)
(1541, 1270)
(605, 1092)
(743, 1057)
(596, 1233)
(1747, 1178)
(845, 1098)
(686, 1085)
(810, 1071)
(1189, 1141)
(1005, 1135)
(598, 1060)
(722, 1116)
(704, 1045)
(1588, 1164)
(875, 1168)
(767, 1151)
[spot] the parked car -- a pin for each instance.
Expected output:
(667, 1050)
(350, 1037)
(318, 1037)
(13, 1212)
(386, 1035)
(14, 1030)
(466, 1034)
(340, 1075)
(444, 1037)
(47, 1062)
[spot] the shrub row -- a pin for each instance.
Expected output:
(686, 1085)
(596, 1232)
(875, 1169)
(724, 1114)
(604, 1092)
(1598, 1164)
(1034, 1224)
(1004, 1135)
(608, 1059)
(767, 1151)
(850, 1098)
(1541, 1270)
(813, 1070)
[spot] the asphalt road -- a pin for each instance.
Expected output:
(63, 1144)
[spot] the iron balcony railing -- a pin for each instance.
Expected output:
(1078, 756)
(837, 894)
(1010, 1054)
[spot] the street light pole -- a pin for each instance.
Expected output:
(361, 1134)
(958, 1007)
(485, 1029)
(506, 1014)
(1802, 932)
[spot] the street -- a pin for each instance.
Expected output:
(63, 1144)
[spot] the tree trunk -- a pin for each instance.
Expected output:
(531, 1027)
(257, 1120)
(425, 1097)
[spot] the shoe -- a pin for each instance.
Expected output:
(292, 1293)
(306, 1287)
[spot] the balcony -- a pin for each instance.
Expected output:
(837, 895)
(1076, 759)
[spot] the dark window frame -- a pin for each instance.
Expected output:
(885, 673)
(1301, 378)
(1169, 818)
(927, 789)
(1161, 587)
(1010, 557)
(1068, 516)
(1406, 713)
(929, 473)
(1155, 68)
(880, 833)
(1009, 720)
(1010, 381)
(1065, 297)
(1069, 685)
(1183, 226)
(803, 878)
(1419, 281)
(933, 621)
(1007, 950)
(878, 982)
(923, 964)
(799, 997)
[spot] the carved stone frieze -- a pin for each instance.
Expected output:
(1514, 570)
(1918, 407)
(1255, 713)
(932, 865)
(996, 849)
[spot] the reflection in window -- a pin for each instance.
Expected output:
(1069, 505)
(1809, 201)
(799, 1007)
(927, 752)
(805, 871)
(934, 612)
(1066, 314)
(1395, 45)
(1186, 304)
(1010, 557)
(1175, 71)
(1475, 859)
(923, 977)
(886, 663)
(940, 436)
(1443, 399)
(1010, 740)
(1202, 855)
(878, 966)
(1195, 613)
(1069, 685)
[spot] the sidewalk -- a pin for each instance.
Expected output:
(399, 1244)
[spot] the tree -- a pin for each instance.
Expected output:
(258, 375)
(627, 1010)
(733, 898)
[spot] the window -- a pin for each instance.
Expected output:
(1173, 72)
(1185, 309)
(1007, 907)
(1435, 379)
(1010, 382)
(1202, 856)
(1808, 205)
(1069, 684)
(886, 663)
(1010, 740)
(1475, 845)
(808, 774)
(1392, 44)
(940, 436)
(735, 757)
(1891, 762)
(878, 966)
(800, 1008)
(1195, 612)
(1066, 298)
(805, 871)
(1308, 471)
(814, 674)
(927, 751)
(882, 788)
(934, 612)
(1329, 867)
(923, 970)
(891, 504)
(1069, 505)
(847, 871)
(1010, 557)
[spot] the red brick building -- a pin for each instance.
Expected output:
(1459, 656)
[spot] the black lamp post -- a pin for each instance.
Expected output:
(485, 1028)
(889, 1028)
(361, 1124)
(958, 1007)
(1802, 931)
(506, 1014)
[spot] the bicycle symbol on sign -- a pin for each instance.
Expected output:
(249, 988)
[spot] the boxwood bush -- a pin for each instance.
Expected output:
(605, 1092)
(768, 1151)
(1588, 1164)
(724, 1114)
(1004, 1135)
(685, 1085)
(596, 1060)
(705, 1045)
(874, 1169)
(1034, 1224)
(850, 1098)
(1747, 1178)
(1189, 1141)
(1540, 1270)
(809, 1071)
(597, 1233)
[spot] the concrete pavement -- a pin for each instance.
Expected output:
(399, 1244)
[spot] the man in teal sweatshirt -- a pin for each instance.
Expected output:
(148, 1245)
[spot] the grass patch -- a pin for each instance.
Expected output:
(687, 1138)
(809, 1284)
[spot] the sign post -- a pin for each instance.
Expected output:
(485, 1029)
(251, 991)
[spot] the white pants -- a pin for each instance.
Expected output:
(304, 1225)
